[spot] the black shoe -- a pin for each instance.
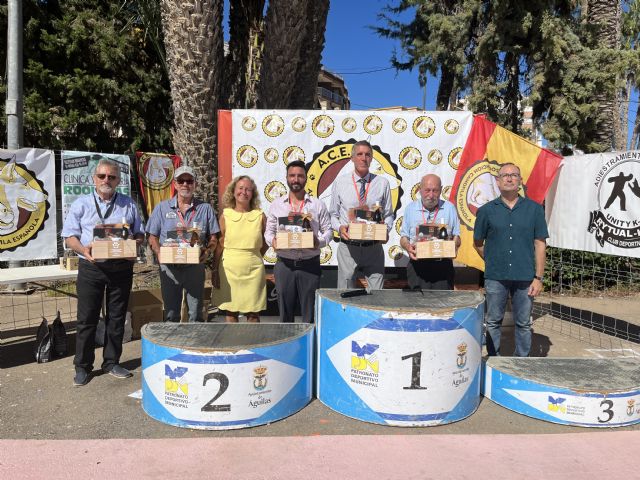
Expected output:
(119, 372)
(81, 378)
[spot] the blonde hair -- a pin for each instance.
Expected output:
(229, 201)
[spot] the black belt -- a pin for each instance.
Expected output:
(299, 263)
(359, 243)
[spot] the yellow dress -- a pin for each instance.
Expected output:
(242, 283)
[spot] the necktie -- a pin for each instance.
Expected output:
(363, 182)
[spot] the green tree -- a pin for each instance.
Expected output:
(91, 81)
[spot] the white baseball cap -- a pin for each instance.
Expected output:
(184, 169)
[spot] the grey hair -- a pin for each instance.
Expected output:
(107, 162)
(361, 143)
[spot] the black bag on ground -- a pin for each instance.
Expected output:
(59, 333)
(44, 342)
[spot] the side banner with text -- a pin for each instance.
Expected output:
(27, 205)
(407, 146)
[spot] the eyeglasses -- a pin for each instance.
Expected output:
(509, 175)
(187, 181)
(102, 176)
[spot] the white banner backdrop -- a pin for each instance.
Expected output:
(77, 175)
(407, 146)
(594, 205)
(27, 205)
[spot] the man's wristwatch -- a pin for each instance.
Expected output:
(537, 277)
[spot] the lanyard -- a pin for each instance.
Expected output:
(435, 215)
(293, 208)
(362, 201)
(188, 222)
(109, 209)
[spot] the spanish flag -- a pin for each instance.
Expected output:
(488, 147)
(155, 171)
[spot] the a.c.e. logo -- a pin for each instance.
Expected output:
(23, 205)
(616, 221)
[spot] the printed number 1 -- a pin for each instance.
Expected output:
(416, 359)
(224, 384)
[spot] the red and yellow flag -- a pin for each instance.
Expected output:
(488, 147)
(155, 171)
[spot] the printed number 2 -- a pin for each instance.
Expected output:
(608, 404)
(224, 384)
(416, 360)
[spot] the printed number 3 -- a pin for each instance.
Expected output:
(608, 404)
(224, 384)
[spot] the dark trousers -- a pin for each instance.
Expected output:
(115, 277)
(297, 280)
(431, 274)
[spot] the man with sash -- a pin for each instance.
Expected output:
(297, 271)
(433, 213)
(115, 277)
(360, 189)
(183, 213)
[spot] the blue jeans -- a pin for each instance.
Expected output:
(497, 292)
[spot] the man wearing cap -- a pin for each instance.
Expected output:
(297, 271)
(96, 277)
(429, 209)
(359, 188)
(183, 212)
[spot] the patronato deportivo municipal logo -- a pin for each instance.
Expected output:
(616, 221)
(477, 187)
(156, 171)
(557, 404)
(176, 386)
(364, 364)
(23, 205)
(328, 164)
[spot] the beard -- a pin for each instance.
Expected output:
(106, 189)
(295, 187)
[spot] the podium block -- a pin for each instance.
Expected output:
(225, 376)
(584, 392)
(400, 358)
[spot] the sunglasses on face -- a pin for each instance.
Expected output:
(187, 181)
(102, 176)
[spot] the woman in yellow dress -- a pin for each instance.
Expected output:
(238, 268)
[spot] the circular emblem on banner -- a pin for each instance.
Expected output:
(325, 254)
(399, 125)
(372, 124)
(156, 171)
(454, 157)
(298, 124)
(292, 154)
(415, 191)
(270, 255)
(395, 252)
(274, 189)
(434, 156)
(349, 124)
(424, 126)
(322, 126)
(328, 164)
(615, 221)
(24, 205)
(410, 157)
(273, 125)
(398, 224)
(271, 155)
(249, 123)
(451, 126)
(477, 187)
(247, 156)
(445, 192)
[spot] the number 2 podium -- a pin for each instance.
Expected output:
(225, 376)
(400, 358)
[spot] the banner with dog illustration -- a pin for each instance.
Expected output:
(77, 175)
(155, 171)
(407, 145)
(27, 205)
(603, 192)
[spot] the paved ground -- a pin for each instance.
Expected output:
(47, 425)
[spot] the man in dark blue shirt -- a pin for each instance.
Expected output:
(510, 234)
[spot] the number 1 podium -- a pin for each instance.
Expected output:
(225, 376)
(400, 358)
